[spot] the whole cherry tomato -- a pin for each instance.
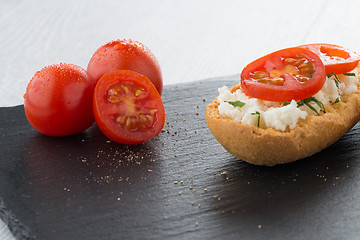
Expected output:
(335, 58)
(127, 107)
(285, 75)
(58, 100)
(125, 55)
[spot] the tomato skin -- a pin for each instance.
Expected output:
(106, 112)
(335, 58)
(125, 55)
(291, 90)
(58, 100)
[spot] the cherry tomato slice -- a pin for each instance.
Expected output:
(284, 75)
(127, 107)
(335, 58)
(125, 55)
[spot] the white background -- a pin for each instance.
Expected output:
(192, 39)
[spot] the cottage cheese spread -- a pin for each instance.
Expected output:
(277, 115)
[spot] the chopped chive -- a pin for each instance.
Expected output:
(330, 74)
(236, 104)
(307, 101)
(258, 118)
(336, 79)
(337, 100)
(312, 108)
(286, 103)
(349, 74)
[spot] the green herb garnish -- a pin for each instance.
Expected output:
(286, 103)
(257, 113)
(336, 79)
(307, 101)
(337, 100)
(236, 104)
(349, 74)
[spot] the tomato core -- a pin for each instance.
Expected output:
(300, 68)
(130, 115)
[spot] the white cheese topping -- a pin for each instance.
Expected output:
(274, 114)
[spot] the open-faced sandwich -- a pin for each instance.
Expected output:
(289, 104)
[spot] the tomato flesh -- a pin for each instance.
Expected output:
(284, 75)
(127, 107)
(128, 112)
(335, 58)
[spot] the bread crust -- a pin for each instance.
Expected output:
(268, 146)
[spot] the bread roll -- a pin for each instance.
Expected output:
(267, 146)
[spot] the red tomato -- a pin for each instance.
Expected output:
(58, 100)
(127, 107)
(284, 75)
(125, 55)
(335, 58)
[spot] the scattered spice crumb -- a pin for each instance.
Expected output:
(175, 182)
(223, 173)
(196, 223)
(199, 205)
(191, 187)
(205, 189)
(118, 199)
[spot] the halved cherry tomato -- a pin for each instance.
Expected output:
(125, 55)
(127, 107)
(58, 100)
(335, 58)
(284, 75)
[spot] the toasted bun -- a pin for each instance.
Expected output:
(270, 147)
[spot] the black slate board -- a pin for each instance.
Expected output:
(180, 185)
